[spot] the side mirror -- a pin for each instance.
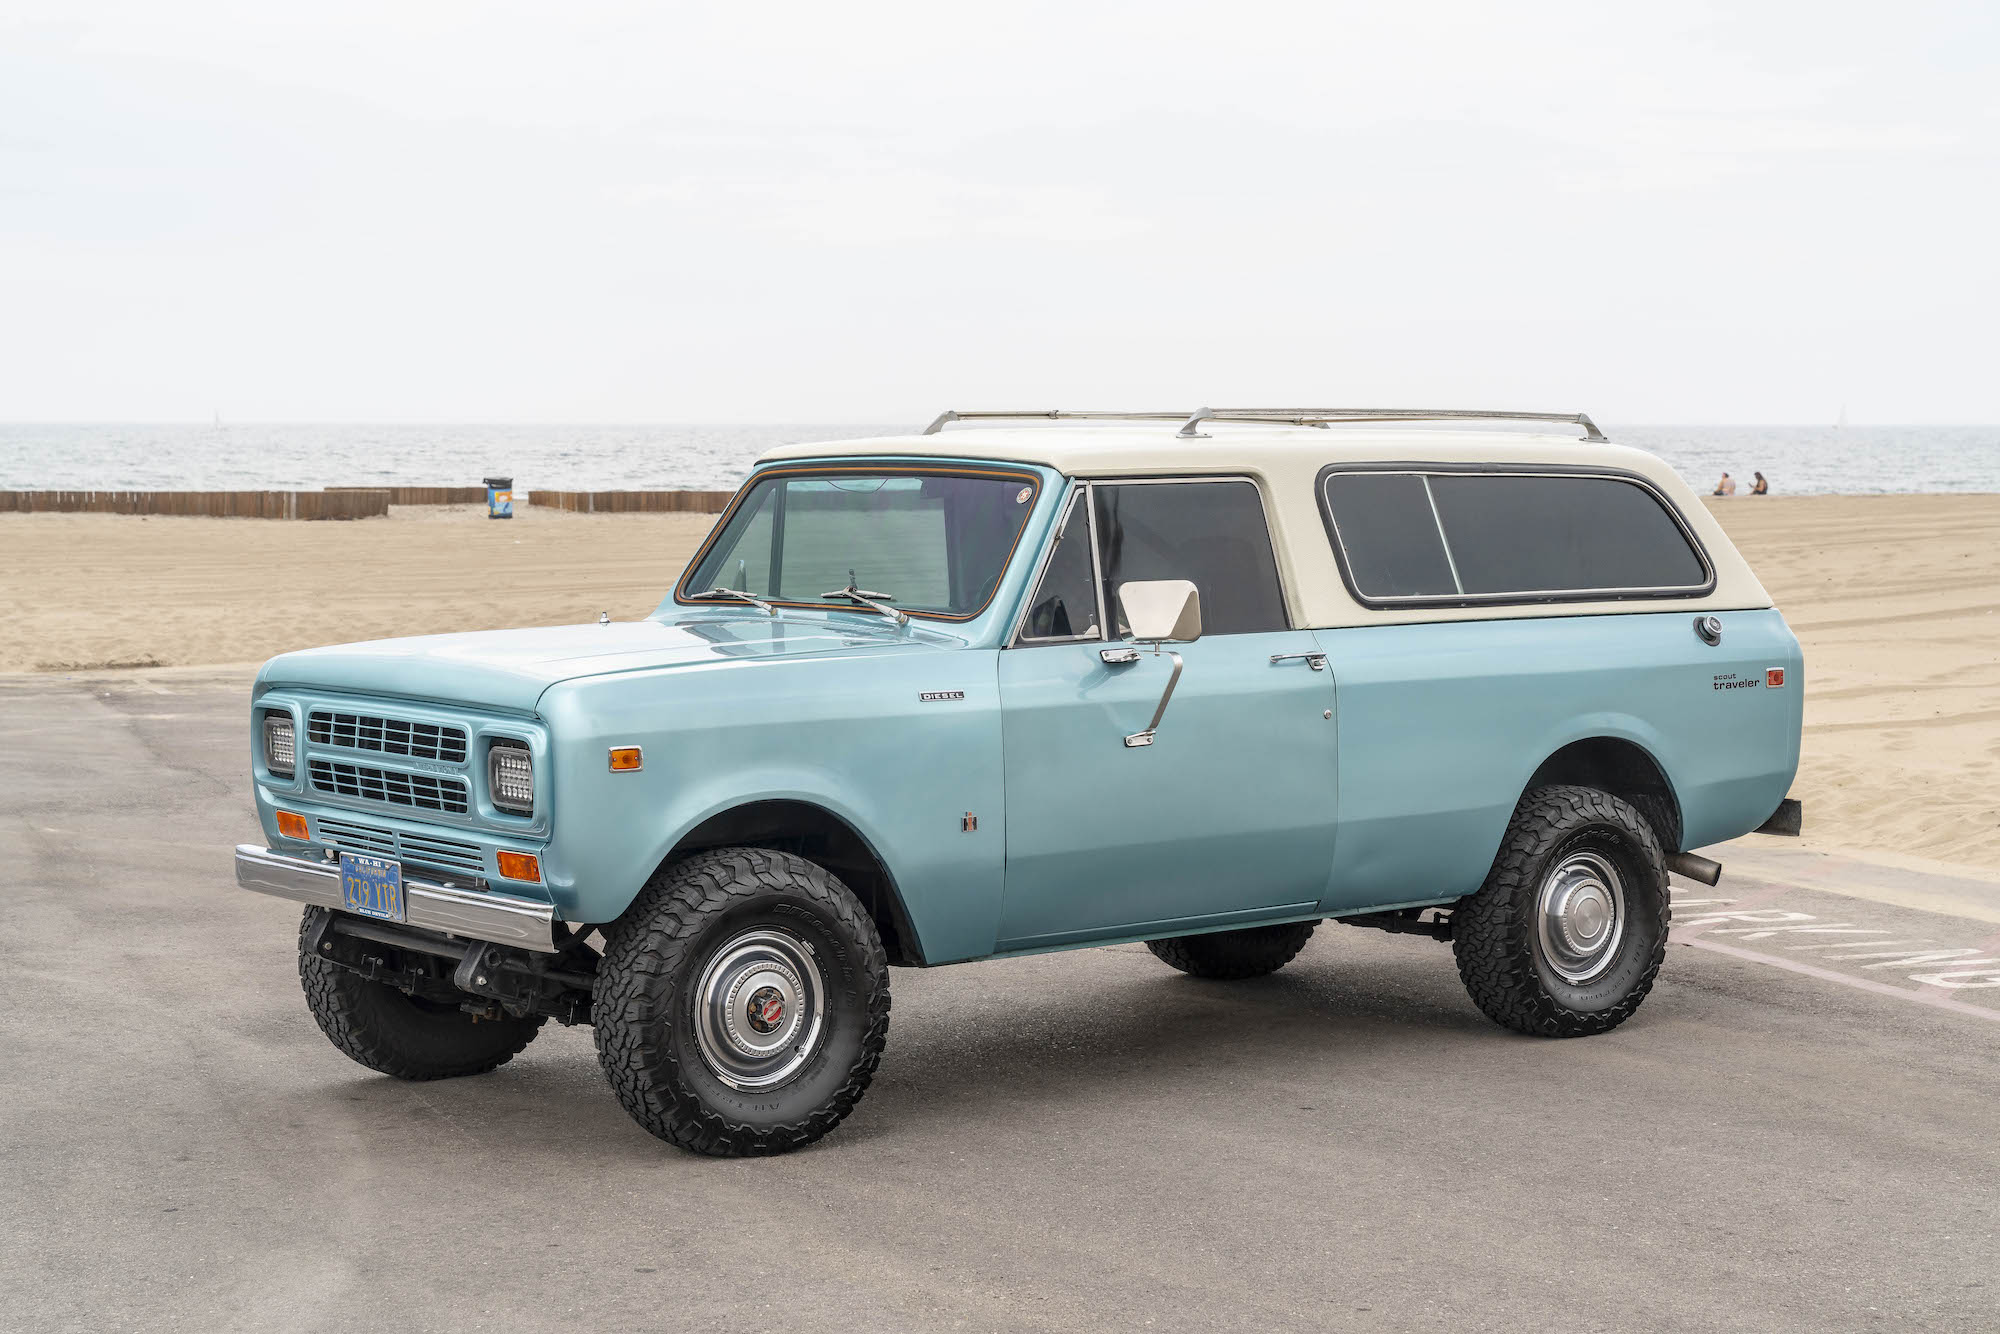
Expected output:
(1161, 611)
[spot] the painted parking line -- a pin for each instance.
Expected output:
(1930, 998)
(1909, 950)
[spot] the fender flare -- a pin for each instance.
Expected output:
(884, 900)
(1614, 727)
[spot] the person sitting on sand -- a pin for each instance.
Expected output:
(1760, 487)
(1725, 487)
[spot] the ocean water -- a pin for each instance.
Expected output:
(1798, 460)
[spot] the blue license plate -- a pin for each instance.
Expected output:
(372, 886)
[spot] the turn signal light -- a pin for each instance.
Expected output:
(292, 826)
(520, 866)
(624, 759)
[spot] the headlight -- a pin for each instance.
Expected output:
(510, 777)
(280, 754)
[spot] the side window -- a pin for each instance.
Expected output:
(1065, 602)
(1211, 533)
(1560, 534)
(1506, 537)
(1388, 537)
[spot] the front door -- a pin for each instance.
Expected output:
(1229, 813)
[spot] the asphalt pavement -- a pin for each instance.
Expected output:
(1796, 1132)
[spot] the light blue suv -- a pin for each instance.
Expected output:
(1202, 680)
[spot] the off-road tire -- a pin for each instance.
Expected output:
(1494, 935)
(646, 1002)
(400, 1035)
(1229, 955)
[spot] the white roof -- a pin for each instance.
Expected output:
(1155, 448)
(1285, 462)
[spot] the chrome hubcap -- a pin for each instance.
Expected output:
(1580, 916)
(761, 1002)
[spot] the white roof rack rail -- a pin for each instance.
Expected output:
(1317, 417)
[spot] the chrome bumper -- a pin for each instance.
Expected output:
(457, 912)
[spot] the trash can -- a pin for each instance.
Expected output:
(499, 497)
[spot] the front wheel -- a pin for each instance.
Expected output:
(1566, 935)
(403, 1035)
(742, 1003)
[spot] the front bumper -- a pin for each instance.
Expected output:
(435, 907)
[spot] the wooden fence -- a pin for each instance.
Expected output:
(359, 504)
(426, 495)
(633, 502)
(350, 502)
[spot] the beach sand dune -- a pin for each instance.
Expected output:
(1896, 599)
(87, 591)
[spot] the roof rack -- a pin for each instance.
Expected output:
(1316, 417)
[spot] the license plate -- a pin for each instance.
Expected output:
(372, 887)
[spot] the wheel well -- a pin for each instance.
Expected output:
(1625, 770)
(827, 841)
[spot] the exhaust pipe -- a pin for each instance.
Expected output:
(1694, 868)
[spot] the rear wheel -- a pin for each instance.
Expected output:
(408, 1037)
(742, 1004)
(1231, 955)
(1569, 930)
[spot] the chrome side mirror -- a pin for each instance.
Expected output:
(1161, 611)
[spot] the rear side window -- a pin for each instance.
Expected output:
(1557, 534)
(1390, 535)
(1455, 537)
(1210, 533)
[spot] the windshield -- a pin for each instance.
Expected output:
(931, 543)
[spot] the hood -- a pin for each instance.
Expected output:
(509, 669)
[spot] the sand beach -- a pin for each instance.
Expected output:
(1895, 598)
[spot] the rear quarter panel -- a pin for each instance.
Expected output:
(1442, 724)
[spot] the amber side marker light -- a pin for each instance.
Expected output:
(292, 826)
(520, 866)
(626, 759)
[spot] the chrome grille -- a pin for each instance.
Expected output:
(357, 838)
(416, 849)
(390, 736)
(423, 791)
(442, 852)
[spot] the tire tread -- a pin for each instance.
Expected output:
(374, 1025)
(1492, 931)
(634, 997)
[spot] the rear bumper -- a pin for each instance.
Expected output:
(435, 907)
(1789, 819)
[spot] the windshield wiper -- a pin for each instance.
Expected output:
(739, 595)
(876, 602)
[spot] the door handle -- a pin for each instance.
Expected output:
(1316, 661)
(1118, 657)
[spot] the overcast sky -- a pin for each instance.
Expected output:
(853, 212)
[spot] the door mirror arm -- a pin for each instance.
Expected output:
(1145, 738)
